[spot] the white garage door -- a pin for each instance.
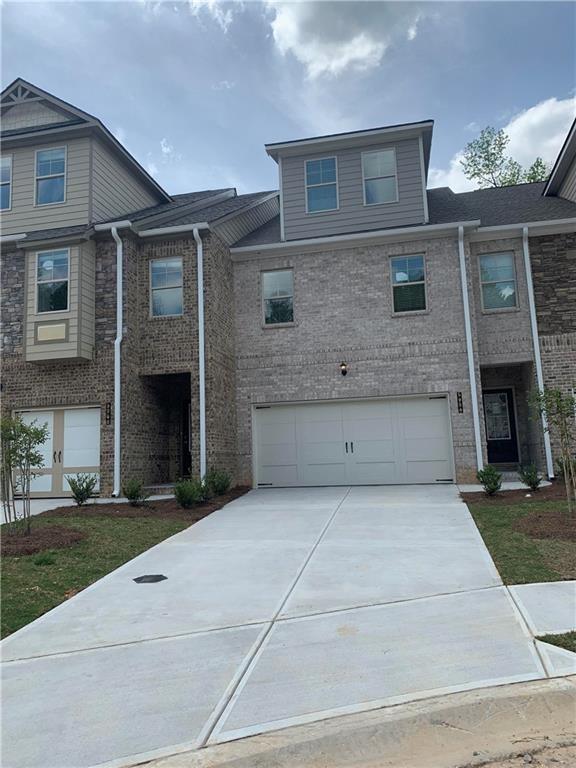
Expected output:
(362, 442)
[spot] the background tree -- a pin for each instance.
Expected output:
(19, 444)
(485, 161)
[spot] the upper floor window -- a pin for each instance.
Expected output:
(321, 185)
(5, 183)
(166, 294)
(498, 281)
(278, 296)
(52, 277)
(379, 174)
(408, 283)
(50, 176)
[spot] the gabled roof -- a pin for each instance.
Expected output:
(563, 163)
(21, 92)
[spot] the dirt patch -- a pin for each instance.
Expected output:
(40, 539)
(163, 508)
(553, 492)
(547, 524)
(555, 757)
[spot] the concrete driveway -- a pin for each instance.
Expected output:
(286, 606)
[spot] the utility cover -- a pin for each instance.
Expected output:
(150, 578)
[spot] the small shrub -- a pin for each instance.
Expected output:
(134, 492)
(217, 482)
(189, 492)
(530, 476)
(560, 467)
(82, 487)
(45, 558)
(490, 479)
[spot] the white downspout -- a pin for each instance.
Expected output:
(536, 345)
(201, 353)
(470, 350)
(113, 229)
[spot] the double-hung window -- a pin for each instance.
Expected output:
(379, 174)
(408, 283)
(50, 176)
(166, 295)
(321, 185)
(498, 281)
(6, 183)
(278, 296)
(52, 281)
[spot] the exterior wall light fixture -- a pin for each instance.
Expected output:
(343, 369)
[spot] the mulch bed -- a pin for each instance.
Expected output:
(39, 539)
(553, 492)
(162, 508)
(550, 524)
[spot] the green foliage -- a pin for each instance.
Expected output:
(530, 476)
(134, 491)
(490, 479)
(20, 461)
(82, 487)
(190, 492)
(44, 558)
(561, 467)
(485, 161)
(217, 482)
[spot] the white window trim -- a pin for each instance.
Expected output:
(151, 290)
(52, 176)
(388, 176)
(36, 283)
(8, 183)
(411, 282)
(263, 299)
(324, 184)
(490, 310)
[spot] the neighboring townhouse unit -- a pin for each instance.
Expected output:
(353, 328)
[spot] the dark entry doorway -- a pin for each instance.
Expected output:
(500, 421)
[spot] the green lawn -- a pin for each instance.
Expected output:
(567, 641)
(33, 584)
(521, 559)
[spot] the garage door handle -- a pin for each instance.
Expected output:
(346, 447)
(60, 456)
(54, 457)
(352, 447)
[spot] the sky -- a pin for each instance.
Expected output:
(195, 89)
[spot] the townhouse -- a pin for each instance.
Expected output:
(351, 327)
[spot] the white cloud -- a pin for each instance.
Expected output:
(535, 132)
(223, 85)
(221, 13)
(329, 38)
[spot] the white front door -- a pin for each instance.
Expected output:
(363, 442)
(72, 447)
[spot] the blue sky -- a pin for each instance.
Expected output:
(195, 89)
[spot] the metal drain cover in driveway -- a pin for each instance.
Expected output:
(150, 578)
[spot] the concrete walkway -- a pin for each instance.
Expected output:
(283, 608)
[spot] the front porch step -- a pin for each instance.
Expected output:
(161, 489)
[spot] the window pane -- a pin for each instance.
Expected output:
(313, 172)
(50, 162)
(322, 198)
(53, 265)
(499, 295)
(167, 301)
(279, 311)
(328, 170)
(4, 197)
(409, 298)
(321, 171)
(50, 190)
(166, 274)
(53, 297)
(399, 270)
(497, 266)
(380, 190)
(380, 163)
(5, 167)
(277, 284)
(415, 268)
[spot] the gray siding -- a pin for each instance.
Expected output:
(115, 191)
(238, 227)
(568, 188)
(24, 215)
(30, 115)
(353, 215)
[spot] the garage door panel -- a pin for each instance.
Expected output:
(272, 433)
(323, 474)
(321, 453)
(321, 431)
(374, 450)
(427, 471)
(279, 475)
(375, 473)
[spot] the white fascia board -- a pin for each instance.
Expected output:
(176, 230)
(12, 238)
(112, 224)
(550, 227)
(361, 238)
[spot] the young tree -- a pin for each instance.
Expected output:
(559, 408)
(20, 461)
(485, 161)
